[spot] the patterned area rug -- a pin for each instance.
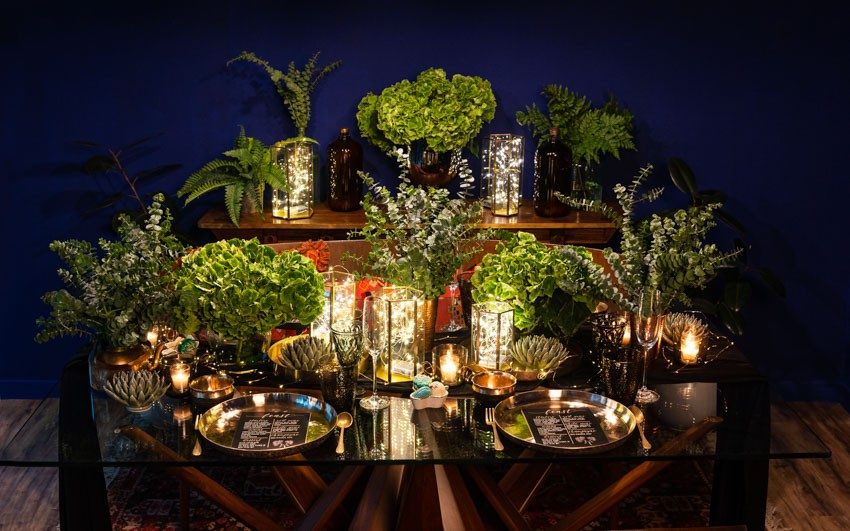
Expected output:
(143, 499)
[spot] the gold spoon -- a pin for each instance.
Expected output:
(640, 420)
(343, 421)
(196, 451)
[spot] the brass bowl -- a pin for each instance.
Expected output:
(493, 383)
(211, 387)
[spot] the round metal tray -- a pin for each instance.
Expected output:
(218, 424)
(615, 419)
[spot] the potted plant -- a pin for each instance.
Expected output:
(295, 155)
(431, 118)
(419, 238)
(589, 132)
(535, 279)
(241, 289)
(665, 252)
(243, 173)
(116, 294)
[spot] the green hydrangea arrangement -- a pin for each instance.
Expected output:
(241, 288)
(117, 293)
(445, 113)
(665, 252)
(538, 281)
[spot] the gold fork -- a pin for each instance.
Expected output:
(490, 420)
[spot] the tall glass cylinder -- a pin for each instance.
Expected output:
(501, 173)
(492, 334)
(340, 302)
(398, 318)
(299, 164)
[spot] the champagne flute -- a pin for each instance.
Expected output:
(646, 328)
(374, 341)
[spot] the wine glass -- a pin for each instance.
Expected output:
(455, 313)
(646, 328)
(374, 341)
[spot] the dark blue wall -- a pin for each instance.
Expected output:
(755, 97)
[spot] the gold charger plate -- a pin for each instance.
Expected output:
(218, 425)
(615, 419)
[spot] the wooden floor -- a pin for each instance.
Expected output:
(804, 494)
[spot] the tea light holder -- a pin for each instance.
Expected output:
(502, 160)
(689, 348)
(340, 302)
(153, 336)
(180, 377)
(447, 360)
(299, 163)
(398, 332)
(492, 334)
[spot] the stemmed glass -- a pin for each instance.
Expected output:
(374, 341)
(646, 328)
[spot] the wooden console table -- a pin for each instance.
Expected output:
(584, 228)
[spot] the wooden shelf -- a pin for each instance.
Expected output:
(577, 227)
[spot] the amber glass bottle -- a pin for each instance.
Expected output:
(553, 164)
(345, 159)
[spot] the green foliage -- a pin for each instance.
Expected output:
(537, 281)
(667, 252)
(244, 174)
(445, 114)
(240, 288)
(102, 291)
(590, 133)
(294, 86)
(729, 294)
(419, 237)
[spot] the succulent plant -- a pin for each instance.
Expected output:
(136, 389)
(303, 353)
(537, 353)
(675, 325)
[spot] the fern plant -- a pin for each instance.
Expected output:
(665, 252)
(589, 132)
(244, 174)
(294, 86)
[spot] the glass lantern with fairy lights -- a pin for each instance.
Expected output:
(398, 342)
(340, 302)
(297, 159)
(492, 334)
(502, 158)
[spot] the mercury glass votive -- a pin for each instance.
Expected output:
(502, 161)
(399, 337)
(492, 334)
(340, 302)
(298, 162)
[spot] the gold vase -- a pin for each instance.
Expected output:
(427, 317)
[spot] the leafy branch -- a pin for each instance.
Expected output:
(294, 86)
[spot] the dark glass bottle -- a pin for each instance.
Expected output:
(553, 165)
(345, 159)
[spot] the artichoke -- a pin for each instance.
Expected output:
(537, 353)
(302, 353)
(137, 389)
(675, 325)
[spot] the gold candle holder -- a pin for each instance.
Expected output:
(689, 348)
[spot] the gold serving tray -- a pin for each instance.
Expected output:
(218, 425)
(615, 419)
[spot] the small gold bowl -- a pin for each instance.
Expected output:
(493, 383)
(211, 387)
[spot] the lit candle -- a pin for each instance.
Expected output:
(180, 377)
(689, 347)
(451, 407)
(449, 368)
(153, 336)
(627, 335)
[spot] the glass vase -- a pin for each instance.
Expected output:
(553, 164)
(502, 160)
(299, 163)
(345, 159)
(340, 302)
